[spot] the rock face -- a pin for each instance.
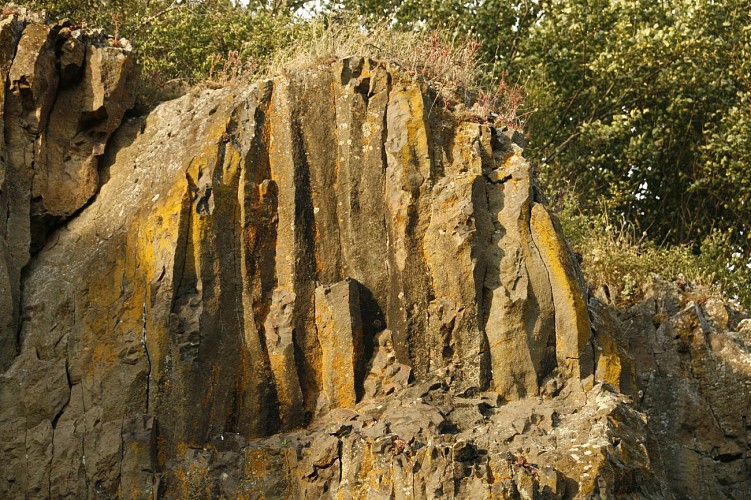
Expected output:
(323, 284)
(693, 378)
(65, 91)
(339, 329)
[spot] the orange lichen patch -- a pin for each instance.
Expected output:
(193, 472)
(263, 465)
(197, 481)
(499, 468)
(109, 321)
(104, 354)
(107, 287)
(257, 463)
(283, 391)
(339, 335)
(373, 473)
(162, 451)
(571, 316)
(135, 492)
(182, 449)
(608, 362)
(408, 106)
(366, 467)
(468, 143)
(338, 376)
(152, 246)
(182, 481)
(158, 236)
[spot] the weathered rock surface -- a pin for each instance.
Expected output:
(429, 442)
(65, 91)
(693, 379)
(339, 329)
(320, 285)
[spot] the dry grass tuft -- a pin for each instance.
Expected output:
(451, 66)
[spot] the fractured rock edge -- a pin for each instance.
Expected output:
(65, 91)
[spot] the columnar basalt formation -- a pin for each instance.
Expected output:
(339, 328)
(324, 283)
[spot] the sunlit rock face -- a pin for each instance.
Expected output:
(65, 91)
(321, 284)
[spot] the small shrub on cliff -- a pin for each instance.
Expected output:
(615, 254)
(224, 42)
(184, 40)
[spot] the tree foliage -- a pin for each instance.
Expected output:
(644, 107)
(639, 99)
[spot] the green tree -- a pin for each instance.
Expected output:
(644, 106)
(635, 98)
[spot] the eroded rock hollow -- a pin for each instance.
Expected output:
(325, 283)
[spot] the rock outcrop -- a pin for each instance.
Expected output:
(65, 91)
(692, 355)
(322, 284)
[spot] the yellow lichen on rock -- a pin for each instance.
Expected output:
(572, 325)
(340, 336)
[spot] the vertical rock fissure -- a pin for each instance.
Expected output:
(258, 251)
(264, 260)
(145, 345)
(83, 442)
(17, 310)
(39, 144)
(340, 461)
(7, 219)
(572, 325)
(487, 297)
(340, 262)
(122, 457)
(52, 458)
(307, 349)
(548, 365)
(234, 421)
(182, 322)
(27, 468)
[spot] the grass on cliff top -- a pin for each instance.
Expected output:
(450, 65)
(180, 44)
(219, 43)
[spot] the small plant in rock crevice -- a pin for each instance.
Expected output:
(231, 69)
